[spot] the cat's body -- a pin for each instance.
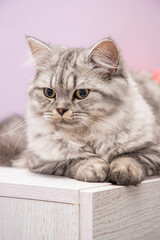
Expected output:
(97, 122)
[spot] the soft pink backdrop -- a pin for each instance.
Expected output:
(134, 24)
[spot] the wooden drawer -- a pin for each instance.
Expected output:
(23, 219)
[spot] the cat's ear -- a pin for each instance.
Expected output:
(40, 51)
(105, 55)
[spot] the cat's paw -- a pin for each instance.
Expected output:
(92, 170)
(126, 171)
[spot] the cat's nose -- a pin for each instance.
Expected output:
(61, 111)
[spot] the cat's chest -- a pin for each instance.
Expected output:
(59, 147)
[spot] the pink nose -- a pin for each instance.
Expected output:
(61, 111)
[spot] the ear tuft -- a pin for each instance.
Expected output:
(40, 51)
(105, 55)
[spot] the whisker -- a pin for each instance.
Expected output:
(10, 137)
(21, 124)
(111, 123)
(43, 121)
(109, 127)
(17, 142)
(89, 127)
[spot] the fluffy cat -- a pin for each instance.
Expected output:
(87, 117)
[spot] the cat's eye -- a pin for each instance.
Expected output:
(81, 93)
(50, 93)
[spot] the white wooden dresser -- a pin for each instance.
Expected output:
(41, 207)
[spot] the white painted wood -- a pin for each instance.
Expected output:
(22, 219)
(123, 213)
(107, 212)
(21, 183)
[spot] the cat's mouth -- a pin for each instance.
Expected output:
(64, 122)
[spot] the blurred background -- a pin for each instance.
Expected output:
(134, 25)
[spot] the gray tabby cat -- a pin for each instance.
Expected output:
(87, 117)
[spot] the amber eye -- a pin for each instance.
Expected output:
(81, 93)
(50, 93)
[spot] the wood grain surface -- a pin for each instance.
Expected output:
(123, 213)
(41, 207)
(21, 183)
(22, 219)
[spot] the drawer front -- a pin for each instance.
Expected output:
(23, 219)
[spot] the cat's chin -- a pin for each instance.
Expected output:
(65, 124)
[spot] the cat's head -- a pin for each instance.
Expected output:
(76, 87)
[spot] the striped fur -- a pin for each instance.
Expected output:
(112, 134)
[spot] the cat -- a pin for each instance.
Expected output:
(88, 117)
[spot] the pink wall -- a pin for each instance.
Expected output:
(134, 24)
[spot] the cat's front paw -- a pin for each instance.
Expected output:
(126, 171)
(92, 170)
